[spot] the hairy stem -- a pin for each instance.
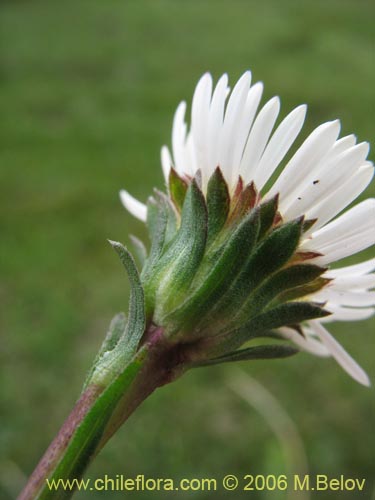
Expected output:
(97, 415)
(54, 453)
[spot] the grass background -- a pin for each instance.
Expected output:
(87, 94)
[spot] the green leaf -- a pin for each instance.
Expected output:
(136, 317)
(181, 259)
(122, 343)
(274, 251)
(164, 229)
(172, 221)
(115, 331)
(283, 280)
(252, 353)
(152, 216)
(268, 256)
(177, 188)
(304, 290)
(157, 221)
(268, 211)
(308, 224)
(287, 314)
(246, 201)
(218, 202)
(159, 207)
(213, 285)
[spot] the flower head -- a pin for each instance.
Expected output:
(243, 243)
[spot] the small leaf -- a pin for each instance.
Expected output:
(252, 353)
(283, 315)
(222, 273)
(198, 178)
(286, 279)
(181, 259)
(158, 224)
(218, 201)
(304, 290)
(172, 221)
(157, 205)
(274, 251)
(303, 256)
(268, 256)
(115, 331)
(246, 202)
(156, 221)
(177, 188)
(287, 314)
(268, 211)
(308, 224)
(136, 316)
(237, 192)
(152, 216)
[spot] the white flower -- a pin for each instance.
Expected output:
(320, 180)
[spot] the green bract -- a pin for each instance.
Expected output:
(223, 270)
(223, 240)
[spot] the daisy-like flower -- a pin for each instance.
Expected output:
(234, 155)
(241, 251)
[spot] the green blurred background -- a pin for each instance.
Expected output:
(88, 91)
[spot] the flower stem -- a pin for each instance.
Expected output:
(97, 415)
(36, 486)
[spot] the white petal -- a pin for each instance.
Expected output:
(258, 138)
(133, 206)
(348, 247)
(179, 137)
(232, 120)
(166, 162)
(314, 148)
(191, 160)
(306, 343)
(352, 282)
(252, 102)
(199, 120)
(341, 356)
(340, 197)
(322, 169)
(346, 298)
(355, 270)
(328, 178)
(215, 121)
(348, 234)
(346, 313)
(340, 146)
(280, 143)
